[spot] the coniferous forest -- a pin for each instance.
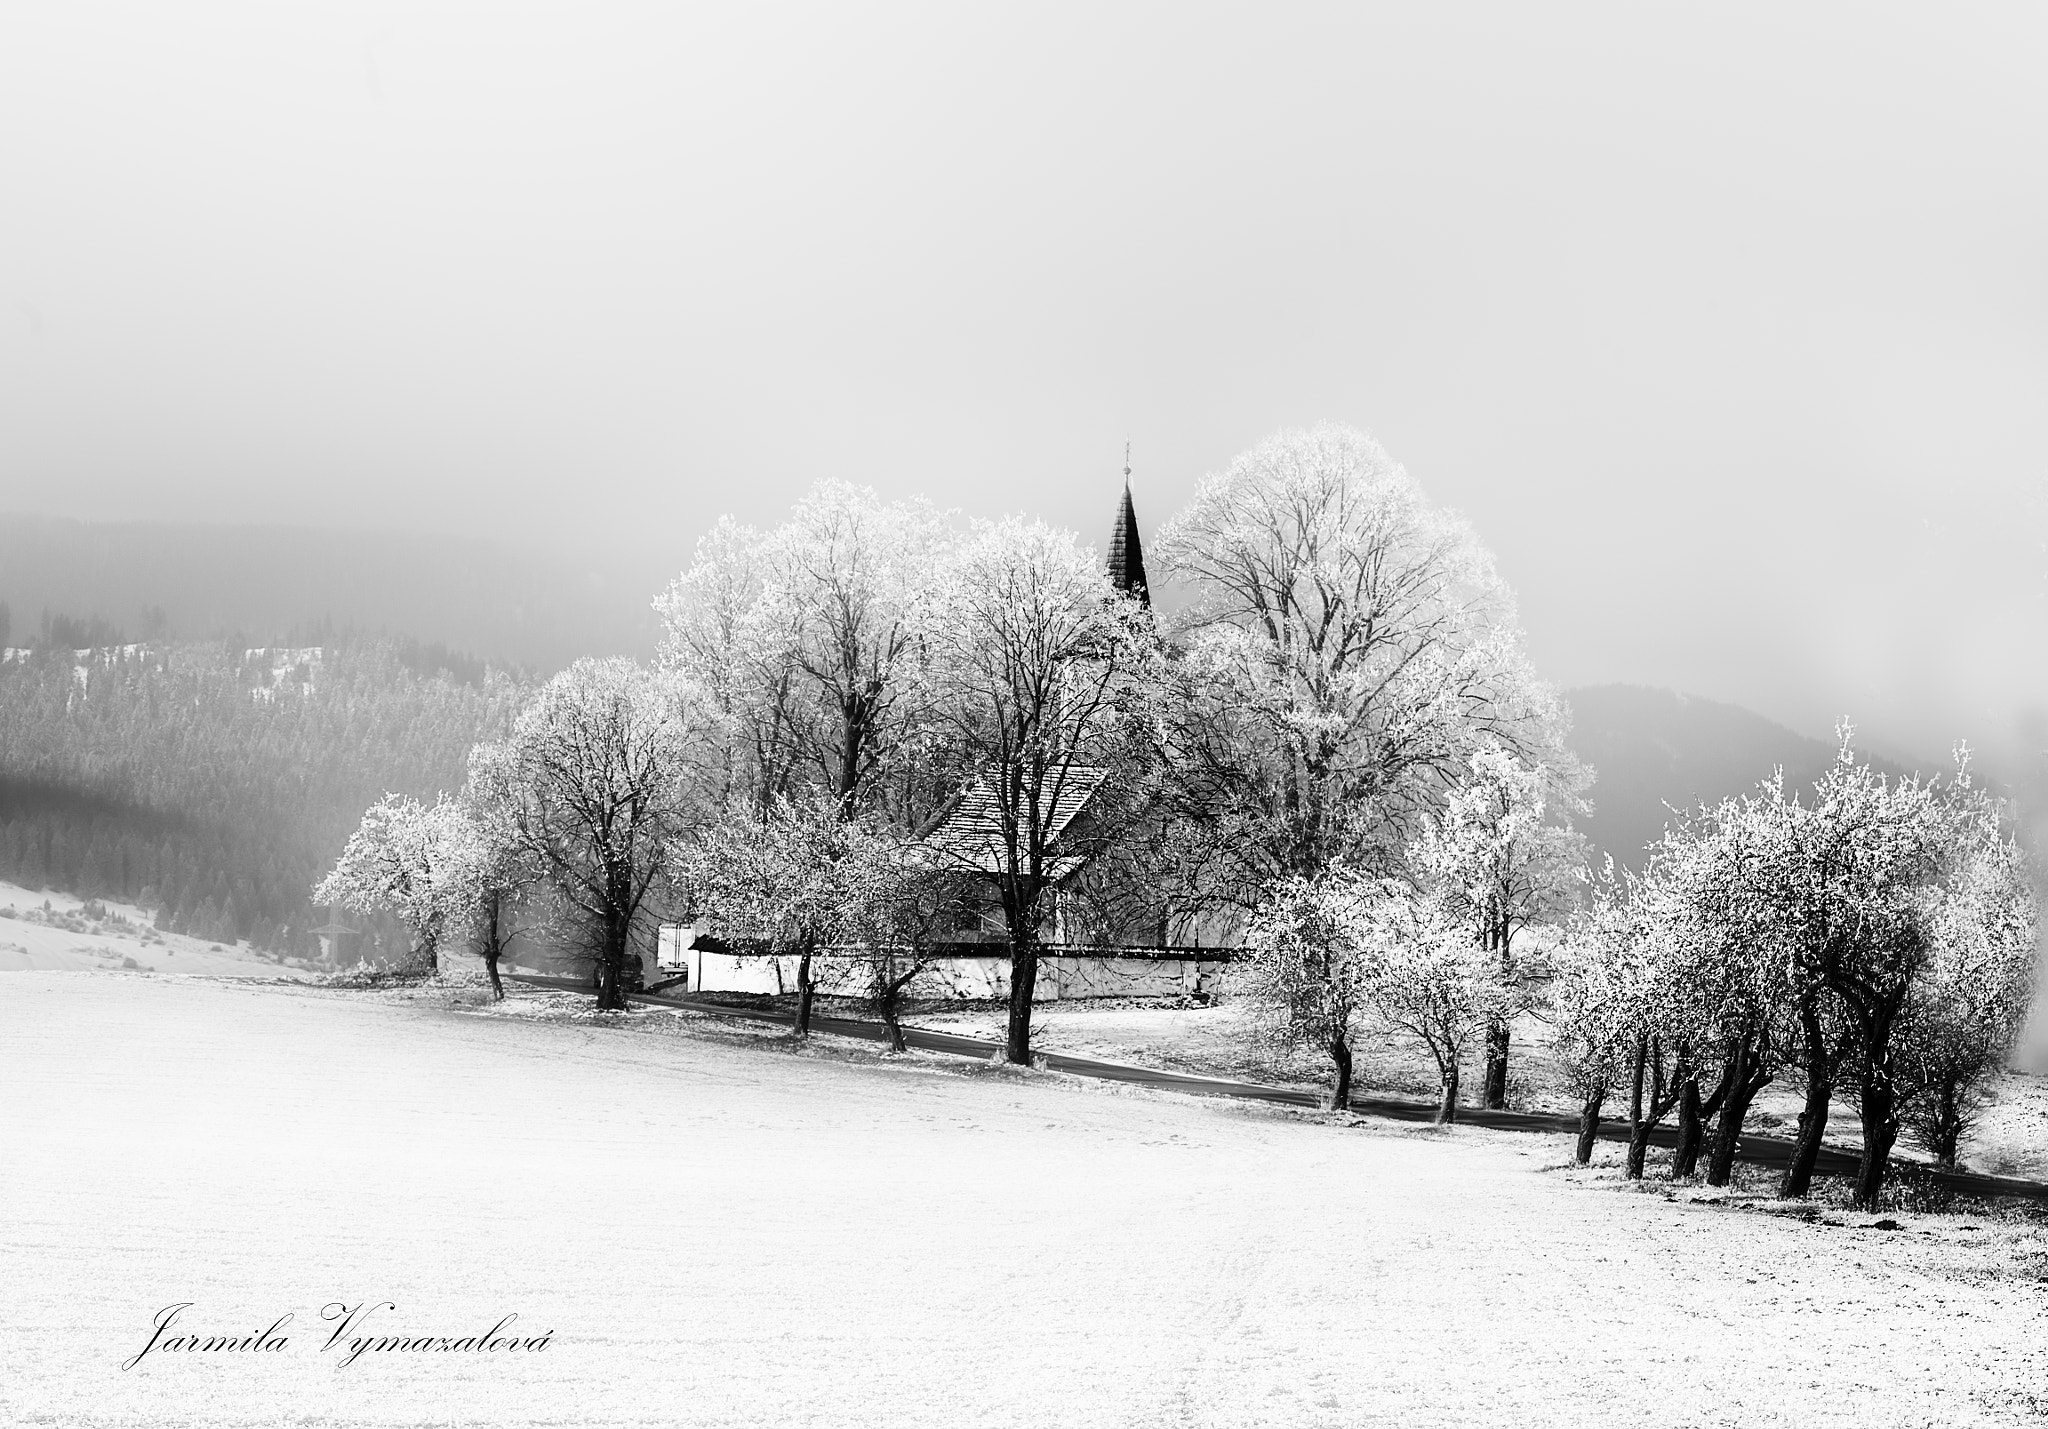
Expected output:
(213, 783)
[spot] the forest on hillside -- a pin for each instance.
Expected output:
(215, 784)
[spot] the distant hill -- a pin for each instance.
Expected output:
(214, 786)
(269, 585)
(1652, 748)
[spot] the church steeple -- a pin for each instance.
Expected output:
(1126, 551)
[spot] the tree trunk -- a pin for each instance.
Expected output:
(1638, 1126)
(1880, 1132)
(1946, 1124)
(1340, 1058)
(1495, 1097)
(888, 989)
(1813, 1117)
(494, 947)
(1734, 1108)
(1023, 983)
(1685, 1157)
(1589, 1127)
(610, 972)
(804, 990)
(1447, 1102)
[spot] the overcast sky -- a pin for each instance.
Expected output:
(1727, 326)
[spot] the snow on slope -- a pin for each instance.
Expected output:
(720, 1232)
(70, 942)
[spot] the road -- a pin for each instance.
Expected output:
(1757, 1150)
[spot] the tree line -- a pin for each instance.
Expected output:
(871, 725)
(211, 783)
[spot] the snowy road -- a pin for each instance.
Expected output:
(719, 1231)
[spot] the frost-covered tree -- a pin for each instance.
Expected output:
(1303, 971)
(807, 881)
(1036, 654)
(1803, 899)
(1971, 1000)
(601, 775)
(1726, 982)
(789, 876)
(1640, 1000)
(1431, 980)
(847, 577)
(718, 634)
(1594, 1007)
(1502, 853)
(489, 871)
(904, 905)
(808, 639)
(403, 861)
(1350, 647)
(1878, 862)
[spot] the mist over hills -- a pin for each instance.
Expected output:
(274, 584)
(1652, 748)
(538, 610)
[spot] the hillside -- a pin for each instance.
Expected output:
(212, 785)
(1652, 748)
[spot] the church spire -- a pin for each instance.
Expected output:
(1126, 551)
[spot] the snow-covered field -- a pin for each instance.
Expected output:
(50, 932)
(717, 1229)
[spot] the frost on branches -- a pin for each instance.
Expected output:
(1351, 648)
(600, 775)
(1303, 971)
(808, 881)
(1323, 952)
(1873, 935)
(1502, 856)
(404, 860)
(809, 641)
(1038, 657)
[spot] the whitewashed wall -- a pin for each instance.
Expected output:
(966, 977)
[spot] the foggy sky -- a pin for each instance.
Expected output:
(1728, 326)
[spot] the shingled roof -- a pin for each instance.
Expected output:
(968, 832)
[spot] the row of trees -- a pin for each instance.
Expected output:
(1872, 938)
(1429, 947)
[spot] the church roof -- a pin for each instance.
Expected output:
(968, 832)
(1126, 551)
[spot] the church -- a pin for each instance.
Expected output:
(1106, 933)
(1098, 903)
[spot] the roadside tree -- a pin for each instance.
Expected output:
(1503, 856)
(1037, 656)
(401, 861)
(1305, 967)
(600, 779)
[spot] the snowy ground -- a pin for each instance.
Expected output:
(2012, 1139)
(49, 932)
(718, 1229)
